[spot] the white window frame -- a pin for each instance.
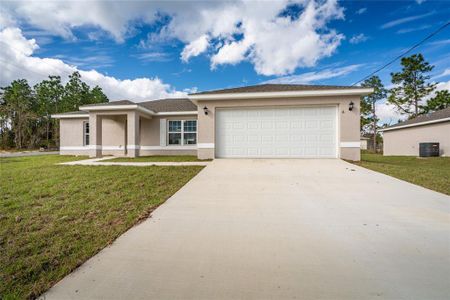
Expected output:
(182, 132)
(86, 134)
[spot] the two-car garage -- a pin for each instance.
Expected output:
(265, 132)
(280, 121)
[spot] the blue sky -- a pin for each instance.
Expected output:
(145, 50)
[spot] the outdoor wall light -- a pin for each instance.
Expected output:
(205, 109)
(350, 106)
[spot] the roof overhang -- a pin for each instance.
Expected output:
(415, 124)
(99, 108)
(69, 116)
(121, 108)
(287, 94)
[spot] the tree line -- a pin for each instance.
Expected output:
(25, 111)
(410, 94)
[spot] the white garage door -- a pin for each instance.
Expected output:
(277, 132)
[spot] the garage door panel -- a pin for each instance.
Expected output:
(276, 132)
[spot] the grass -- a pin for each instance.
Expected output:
(53, 218)
(432, 173)
(159, 158)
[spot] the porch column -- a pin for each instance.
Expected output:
(133, 134)
(95, 135)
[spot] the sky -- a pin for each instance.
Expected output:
(144, 50)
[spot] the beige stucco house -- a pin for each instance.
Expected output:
(404, 138)
(261, 121)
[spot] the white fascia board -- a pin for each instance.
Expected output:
(289, 94)
(176, 113)
(117, 107)
(193, 147)
(415, 124)
(72, 116)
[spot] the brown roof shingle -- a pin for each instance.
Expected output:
(161, 105)
(269, 87)
(434, 116)
(169, 105)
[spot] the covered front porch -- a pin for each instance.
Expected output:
(115, 133)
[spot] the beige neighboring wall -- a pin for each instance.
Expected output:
(349, 132)
(405, 141)
(150, 137)
(71, 136)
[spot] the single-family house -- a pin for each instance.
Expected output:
(260, 121)
(404, 138)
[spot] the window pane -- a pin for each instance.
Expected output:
(190, 138)
(86, 133)
(174, 126)
(174, 138)
(190, 126)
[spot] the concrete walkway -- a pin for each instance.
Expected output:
(279, 229)
(101, 162)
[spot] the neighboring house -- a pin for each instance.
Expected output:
(404, 138)
(364, 141)
(270, 120)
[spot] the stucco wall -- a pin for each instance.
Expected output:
(114, 136)
(348, 120)
(406, 141)
(71, 137)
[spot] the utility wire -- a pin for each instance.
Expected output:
(404, 53)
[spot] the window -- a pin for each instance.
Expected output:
(182, 132)
(86, 133)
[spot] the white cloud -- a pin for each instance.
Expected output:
(388, 114)
(412, 29)
(195, 48)
(17, 61)
(153, 56)
(405, 20)
(359, 38)
(233, 31)
(361, 11)
(309, 77)
(443, 85)
(445, 73)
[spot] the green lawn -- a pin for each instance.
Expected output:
(53, 218)
(158, 158)
(432, 173)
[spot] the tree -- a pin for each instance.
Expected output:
(440, 101)
(76, 93)
(18, 106)
(97, 95)
(25, 113)
(368, 104)
(411, 85)
(49, 94)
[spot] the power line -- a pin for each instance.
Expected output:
(404, 53)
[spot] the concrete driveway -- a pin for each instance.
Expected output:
(279, 229)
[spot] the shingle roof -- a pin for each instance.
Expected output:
(434, 116)
(79, 112)
(276, 88)
(169, 105)
(161, 105)
(118, 102)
